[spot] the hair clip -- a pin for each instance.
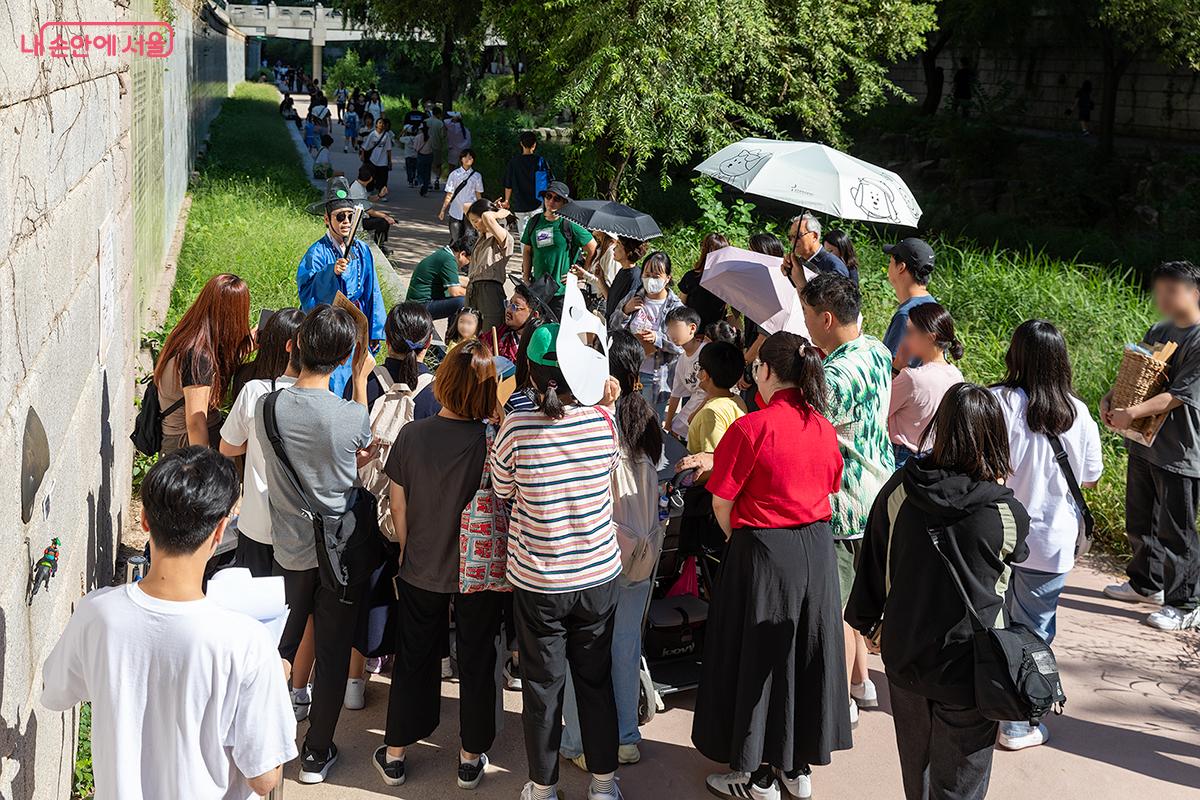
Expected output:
(637, 386)
(417, 346)
(551, 384)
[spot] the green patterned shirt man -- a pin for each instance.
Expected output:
(858, 375)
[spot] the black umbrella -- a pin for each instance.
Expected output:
(612, 218)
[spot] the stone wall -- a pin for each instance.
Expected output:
(1038, 83)
(89, 143)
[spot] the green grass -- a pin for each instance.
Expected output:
(990, 292)
(84, 784)
(248, 212)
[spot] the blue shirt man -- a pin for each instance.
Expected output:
(910, 266)
(324, 270)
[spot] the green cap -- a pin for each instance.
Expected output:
(542, 347)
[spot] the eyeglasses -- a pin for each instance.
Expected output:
(513, 306)
(343, 216)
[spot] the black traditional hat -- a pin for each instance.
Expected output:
(337, 195)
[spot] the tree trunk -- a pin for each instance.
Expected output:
(935, 77)
(446, 88)
(1116, 61)
(608, 185)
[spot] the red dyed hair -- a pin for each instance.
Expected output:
(216, 326)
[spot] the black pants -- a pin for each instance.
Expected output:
(414, 707)
(334, 623)
(255, 556)
(457, 227)
(1160, 521)
(945, 750)
(377, 226)
(556, 632)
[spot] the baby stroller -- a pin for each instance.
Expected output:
(683, 586)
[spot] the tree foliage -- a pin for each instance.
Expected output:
(454, 26)
(351, 71)
(664, 78)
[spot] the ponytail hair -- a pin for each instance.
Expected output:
(933, 319)
(798, 364)
(408, 329)
(548, 384)
(637, 424)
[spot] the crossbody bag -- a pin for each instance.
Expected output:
(349, 545)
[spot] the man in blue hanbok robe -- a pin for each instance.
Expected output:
(324, 270)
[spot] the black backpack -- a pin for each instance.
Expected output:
(147, 434)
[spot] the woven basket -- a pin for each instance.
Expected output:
(1139, 378)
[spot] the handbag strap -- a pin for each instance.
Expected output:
(489, 438)
(935, 535)
(466, 179)
(1060, 455)
(271, 425)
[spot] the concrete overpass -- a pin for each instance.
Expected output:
(316, 23)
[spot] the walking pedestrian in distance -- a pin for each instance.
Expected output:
(525, 178)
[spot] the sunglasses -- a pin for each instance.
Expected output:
(343, 216)
(553, 198)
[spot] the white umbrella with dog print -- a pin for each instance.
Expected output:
(815, 177)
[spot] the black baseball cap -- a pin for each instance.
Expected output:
(559, 188)
(912, 251)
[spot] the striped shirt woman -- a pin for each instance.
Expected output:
(560, 472)
(556, 463)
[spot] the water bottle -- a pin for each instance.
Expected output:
(135, 568)
(664, 506)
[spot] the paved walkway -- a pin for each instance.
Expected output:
(1131, 727)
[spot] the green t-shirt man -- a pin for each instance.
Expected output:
(436, 271)
(550, 255)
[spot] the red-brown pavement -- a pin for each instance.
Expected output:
(1131, 727)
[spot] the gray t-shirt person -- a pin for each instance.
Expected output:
(1176, 448)
(322, 434)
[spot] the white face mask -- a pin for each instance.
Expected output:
(654, 285)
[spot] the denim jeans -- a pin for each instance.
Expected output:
(444, 308)
(902, 454)
(1033, 601)
(424, 166)
(656, 399)
(627, 659)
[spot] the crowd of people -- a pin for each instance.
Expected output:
(845, 477)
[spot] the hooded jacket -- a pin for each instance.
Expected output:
(903, 582)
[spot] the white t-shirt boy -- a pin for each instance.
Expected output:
(686, 383)
(188, 698)
(254, 521)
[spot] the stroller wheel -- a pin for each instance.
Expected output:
(647, 697)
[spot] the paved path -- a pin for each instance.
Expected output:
(1131, 728)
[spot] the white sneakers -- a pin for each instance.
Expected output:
(529, 792)
(1167, 618)
(737, 785)
(1170, 618)
(1020, 735)
(301, 702)
(853, 715)
(356, 694)
(1123, 591)
(864, 694)
(799, 787)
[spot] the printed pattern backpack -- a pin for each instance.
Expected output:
(393, 410)
(483, 536)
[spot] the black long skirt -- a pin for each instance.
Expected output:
(773, 682)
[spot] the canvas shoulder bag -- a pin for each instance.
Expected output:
(483, 535)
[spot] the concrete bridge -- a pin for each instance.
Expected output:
(316, 23)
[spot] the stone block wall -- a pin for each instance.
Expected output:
(89, 143)
(1039, 83)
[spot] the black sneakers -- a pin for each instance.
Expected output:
(315, 764)
(392, 771)
(469, 775)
